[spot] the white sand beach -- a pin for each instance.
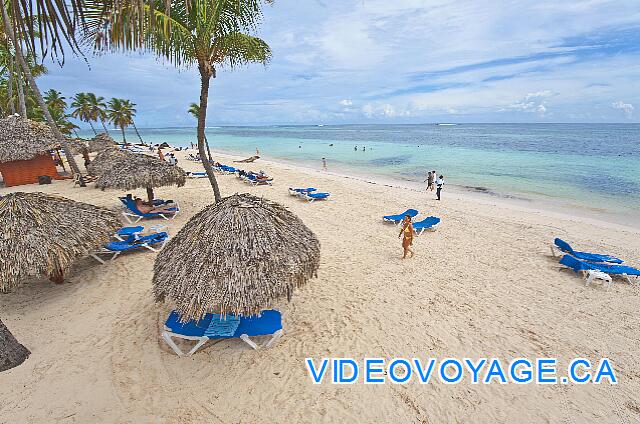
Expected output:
(484, 284)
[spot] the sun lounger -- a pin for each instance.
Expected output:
(399, 217)
(577, 265)
(316, 196)
(427, 224)
(208, 328)
(564, 247)
(196, 175)
(134, 242)
(300, 191)
(253, 179)
(126, 232)
(134, 215)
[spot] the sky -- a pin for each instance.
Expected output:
(400, 61)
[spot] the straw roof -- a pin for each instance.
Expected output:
(76, 145)
(129, 171)
(100, 142)
(43, 234)
(24, 139)
(236, 256)
(105, 159)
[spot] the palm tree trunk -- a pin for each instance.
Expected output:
(208, 151)
(22, 106)
(136, 128)
(36, 91)
(205, 77)
(12, 353)
(12, 105)
(94, 130)
(124, 137)
(104, 126)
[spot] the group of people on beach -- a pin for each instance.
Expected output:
(406, 229)
(434, 181)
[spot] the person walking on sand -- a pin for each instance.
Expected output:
(407, 236)
(439, 184)
(433, 180)
(324, 164)
(429, 180)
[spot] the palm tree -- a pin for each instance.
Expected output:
(97, 109)
(194, 110)
(54, 100)
(206, 33)
(19, 22)
(82, 109)
(120, 113)
(128, 104)
(57, 106)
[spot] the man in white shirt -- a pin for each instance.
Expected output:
(439, 184)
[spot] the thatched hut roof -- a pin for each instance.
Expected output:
(236, 256)
(24, 139)
(76, 145)
(129, 171)
(105, 159)
(100, 142)
(42, 234)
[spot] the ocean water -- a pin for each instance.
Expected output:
(590, 166)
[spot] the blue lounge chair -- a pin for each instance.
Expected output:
(563, 246)
(133, 242)
(196, 174)
(214, 327)
(427, 224)
(399, 217)
(300, 191)
(587, 268)
(135, 213)
(253, 179)
(316, 196)
(126, 232)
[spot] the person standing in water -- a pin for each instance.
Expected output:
(439, 184)
(257, 152)
(324, 164)
(355, 149)
(406, 232)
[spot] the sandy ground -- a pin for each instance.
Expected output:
(483, 285)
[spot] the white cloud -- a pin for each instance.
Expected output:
(346, 102)
(532, 102)
(626, 107)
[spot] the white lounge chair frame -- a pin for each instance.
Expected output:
(590, 275)
(430, 229)
(312, 199)
(168, 336)
(105, 251)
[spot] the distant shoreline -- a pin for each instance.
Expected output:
(602, 218)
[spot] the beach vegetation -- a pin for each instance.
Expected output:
(209, 34)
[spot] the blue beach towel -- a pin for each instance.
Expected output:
(222, 326)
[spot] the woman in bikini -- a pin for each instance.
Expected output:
(407, 240)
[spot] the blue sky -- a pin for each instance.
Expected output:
(401, 61)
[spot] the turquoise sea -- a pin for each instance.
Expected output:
(590, 166)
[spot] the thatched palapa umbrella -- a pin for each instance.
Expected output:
(235, 256)
(105, 159)
(42, 234)
(24, 139)
(12, 353)
(129, 171)
(102, 141)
